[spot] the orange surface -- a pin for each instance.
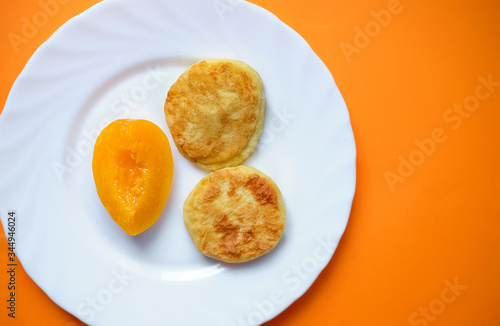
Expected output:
(426, 211)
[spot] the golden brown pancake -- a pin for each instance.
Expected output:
(235, 214)
(215, 112)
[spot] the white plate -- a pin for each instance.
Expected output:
(118, 59)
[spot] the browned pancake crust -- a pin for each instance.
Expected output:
(215, 112)
(235, 214)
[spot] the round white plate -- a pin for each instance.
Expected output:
(116, 60)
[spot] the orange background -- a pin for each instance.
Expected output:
(411, 231)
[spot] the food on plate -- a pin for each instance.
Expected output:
(215, 112)
(235, 214)
(133, 167)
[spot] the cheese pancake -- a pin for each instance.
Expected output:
(235, 214)
(215, 112)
